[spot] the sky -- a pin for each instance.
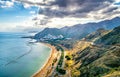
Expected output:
(25, 15)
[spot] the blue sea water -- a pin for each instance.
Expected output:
(18, 57)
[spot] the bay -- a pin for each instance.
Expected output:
(18, 57)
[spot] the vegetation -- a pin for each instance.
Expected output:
(61, 59)
(96, 60)
(111, 38)
(101, 59)
(94, 65)
(55, 43)
(60, 70)
(68, 57)
(59, 66)
(75, 73)
(93, 71)
(54, 61)
(114, 69)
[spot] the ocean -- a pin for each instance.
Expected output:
(18, 57)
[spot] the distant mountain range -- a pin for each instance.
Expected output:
(80, 30)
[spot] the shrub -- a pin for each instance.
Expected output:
(61, 71)
(68, 57)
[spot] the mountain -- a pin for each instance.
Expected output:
(80, 30)
(96, 35)
(101, 59)
(48, 31)
(111, 38)
(96, 55)
(97, 61)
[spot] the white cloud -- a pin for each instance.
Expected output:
(11, 26)
(26, 25)
(2, 2)
(117, 1)
(61, 22)
(36, 1)
(26, 5)
(56, 16)
(50, 18)
(93, 16)
(9, 4)
(6, 4)
(32, 12)
(16, 27)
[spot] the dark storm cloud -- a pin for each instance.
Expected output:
(110, 10)
(65, 3)
(60, 3)
(82, 7)
(73, 8)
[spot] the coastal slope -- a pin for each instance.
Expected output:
(95, 55)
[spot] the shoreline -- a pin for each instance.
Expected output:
(44, 69)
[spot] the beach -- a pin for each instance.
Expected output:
(47, 68)
(17, 52)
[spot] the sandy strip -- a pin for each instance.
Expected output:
(43, 72)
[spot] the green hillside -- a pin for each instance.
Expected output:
(111, 38)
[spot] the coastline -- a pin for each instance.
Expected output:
(42, 72)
